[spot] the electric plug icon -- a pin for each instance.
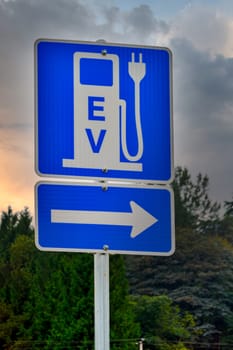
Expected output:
(137, 70)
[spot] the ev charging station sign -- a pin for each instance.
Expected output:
(103, 111)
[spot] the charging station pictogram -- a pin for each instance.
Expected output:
(100, 122)
(104, 111)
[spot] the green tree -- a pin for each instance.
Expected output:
(124, 328)
(8, 225)
(61, 296)
(163, 324)
(228, 205)
(15, 273)
(9, 325)
(198, 278)
(226, 224)
(193, 207)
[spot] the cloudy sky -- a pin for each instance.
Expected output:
(200, 34)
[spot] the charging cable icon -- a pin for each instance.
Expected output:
(137, 71)
(100, 115)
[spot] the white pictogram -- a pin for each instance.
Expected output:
(100, 131)
(138, 218)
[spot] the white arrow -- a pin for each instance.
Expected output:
(138, 218)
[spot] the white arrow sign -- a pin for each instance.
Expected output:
(138, 218)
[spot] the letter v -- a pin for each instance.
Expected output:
(96, 144)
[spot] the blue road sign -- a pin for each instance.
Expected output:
(81, 218)
(103, 111)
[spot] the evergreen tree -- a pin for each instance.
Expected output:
(226, 225)
(193, 207)
(198, 278)
(124, 329)
(228, 205)
(163, 324)
(15, 274)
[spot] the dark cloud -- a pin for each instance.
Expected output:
(204, 26)
(203, 107)
(23, 18)
(206, 81)
(142, 22)
(112, 15)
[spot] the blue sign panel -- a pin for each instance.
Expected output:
(122, 220)
(103, 111)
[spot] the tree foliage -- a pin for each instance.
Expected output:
(228, 205)
(163, 324)
(198, 278)
(193, 207)
(123, 324)
(226, 225)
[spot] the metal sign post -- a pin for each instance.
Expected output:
(102, 318)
